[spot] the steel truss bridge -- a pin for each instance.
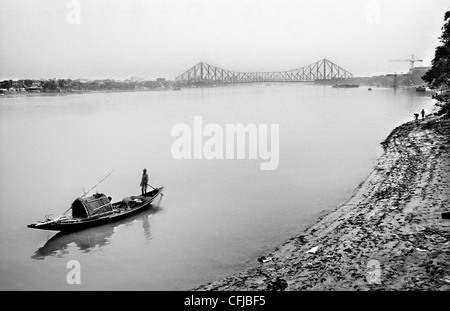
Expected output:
(321, 70)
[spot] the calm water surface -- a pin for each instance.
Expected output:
(216, 216)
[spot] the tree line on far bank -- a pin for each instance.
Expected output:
(68, 85)
(438, 77)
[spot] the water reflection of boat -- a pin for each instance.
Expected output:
(92, 238)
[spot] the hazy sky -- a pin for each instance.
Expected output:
(162, 38)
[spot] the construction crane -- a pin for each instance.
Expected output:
(412, 61)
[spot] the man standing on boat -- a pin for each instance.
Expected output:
(144, 181)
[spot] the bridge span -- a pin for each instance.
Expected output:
(321, 70)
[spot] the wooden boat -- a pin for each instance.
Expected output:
(97, 210)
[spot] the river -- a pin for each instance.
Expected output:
(216, 216)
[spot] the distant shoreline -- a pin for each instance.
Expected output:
(165, 89)
(33, 94)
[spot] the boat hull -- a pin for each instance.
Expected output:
(80, 224)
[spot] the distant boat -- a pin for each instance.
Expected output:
(421, 88)
(176, 88)
(370, 89)
(345, 85)
(35, 89)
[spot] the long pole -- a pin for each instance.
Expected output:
(90, 189)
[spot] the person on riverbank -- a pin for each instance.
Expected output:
(144, 181)
(423, 114)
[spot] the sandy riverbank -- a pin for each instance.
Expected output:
(389, 235)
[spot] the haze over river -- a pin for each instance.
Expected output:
(216, 216)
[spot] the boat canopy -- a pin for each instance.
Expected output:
(91, 206)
